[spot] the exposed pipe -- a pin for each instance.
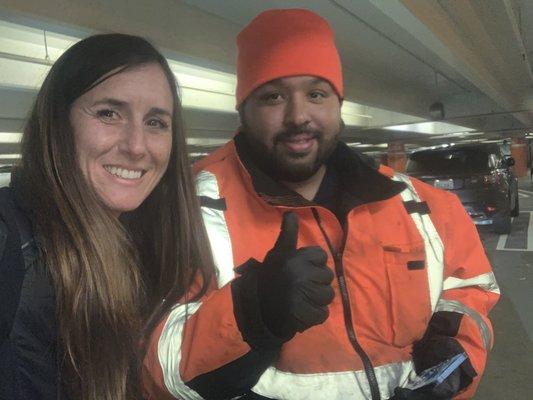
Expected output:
(47, 56)
(18, 57)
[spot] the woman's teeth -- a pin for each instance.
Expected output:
(123, 173)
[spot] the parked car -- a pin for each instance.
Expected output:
(478, 173)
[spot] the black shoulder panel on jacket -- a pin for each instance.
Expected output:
(11, 264)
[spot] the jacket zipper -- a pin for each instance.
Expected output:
(348, 323)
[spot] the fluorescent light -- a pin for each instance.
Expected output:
(467, 134)
(195, 77)
(10, 137)
(203, 88)
(380, 145)
(9, 156)
(471, 141)
(354, 114)
(430, 128)
(455, 135)
(199, 99)
(207, 141)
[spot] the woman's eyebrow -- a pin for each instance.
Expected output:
(110, 101)
(159, 111)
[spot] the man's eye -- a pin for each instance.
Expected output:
(317, 95)
(107, 114)
(273, 97)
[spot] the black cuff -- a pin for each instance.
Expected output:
(235, 378)
(248, 312)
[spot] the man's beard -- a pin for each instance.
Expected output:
(281, 165)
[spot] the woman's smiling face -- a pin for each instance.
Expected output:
(123, 135)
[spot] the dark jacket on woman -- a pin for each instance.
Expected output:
(28, 325)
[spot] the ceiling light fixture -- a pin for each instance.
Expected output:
(430, 128)
(10, 137)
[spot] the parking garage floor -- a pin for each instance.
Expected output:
(509, 373)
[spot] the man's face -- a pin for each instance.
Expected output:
(292, 126)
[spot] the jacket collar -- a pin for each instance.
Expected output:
(358, 175)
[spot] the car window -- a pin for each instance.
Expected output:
(449, 161)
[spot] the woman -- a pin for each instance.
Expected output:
(108, 220)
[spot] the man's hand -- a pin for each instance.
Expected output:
(445, 391)
(428, 352)
(294, 285)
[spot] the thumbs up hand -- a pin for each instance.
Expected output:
(294, 285)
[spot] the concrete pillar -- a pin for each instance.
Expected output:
(519, 153)
(396, 158)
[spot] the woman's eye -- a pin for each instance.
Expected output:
(157, 123)
(107, 114)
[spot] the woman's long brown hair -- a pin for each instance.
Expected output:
(110, 276)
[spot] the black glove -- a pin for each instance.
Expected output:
(428, 352)
(444, 391)
(293, 285)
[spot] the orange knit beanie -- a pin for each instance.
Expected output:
(286, 42)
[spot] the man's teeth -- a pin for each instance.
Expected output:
(124, 173)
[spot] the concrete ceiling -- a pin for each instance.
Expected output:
(472, 56)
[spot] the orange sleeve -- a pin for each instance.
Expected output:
(199, 349)
(469, 289)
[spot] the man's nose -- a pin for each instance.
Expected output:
(297, 111)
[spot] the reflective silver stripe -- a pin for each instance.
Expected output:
(332, 385)
(432, 242)
(217, 229)
(457, 306)
(169, 351)
(486, 282)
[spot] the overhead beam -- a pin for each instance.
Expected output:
(467, 56)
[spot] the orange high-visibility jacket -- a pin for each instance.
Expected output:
(408, 262)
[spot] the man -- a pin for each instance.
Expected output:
(348, 278)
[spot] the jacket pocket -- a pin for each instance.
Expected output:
(409, 291)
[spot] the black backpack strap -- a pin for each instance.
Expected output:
(12, 266)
